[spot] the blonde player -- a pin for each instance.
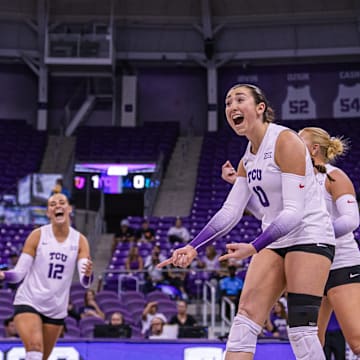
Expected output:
(46, 266)
(296, 247)
(342, 291)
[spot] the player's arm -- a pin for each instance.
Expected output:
(84, 263)
(290, 157)
(343, 194)
(219, 225)
(229, 215)
(25, 261)
(229, 174)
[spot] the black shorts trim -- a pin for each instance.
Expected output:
(20, 309)
(343, 276)
(326, 250)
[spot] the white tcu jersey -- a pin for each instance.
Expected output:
(346, 251)
(347, 102)
(47, 285)
(264, 180)
(298, 104)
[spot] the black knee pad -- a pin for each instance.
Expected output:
(303, 309)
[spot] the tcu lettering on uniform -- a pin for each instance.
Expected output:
(58, 256)
(56, 270)
(254, 174)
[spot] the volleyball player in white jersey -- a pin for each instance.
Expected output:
(296, 247)
(46, 266)
(342, 291)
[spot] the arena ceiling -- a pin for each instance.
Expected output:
(241, 30)
(185, 11)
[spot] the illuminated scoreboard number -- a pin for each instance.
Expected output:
(347, 102)
(138, 181)
(135, 182)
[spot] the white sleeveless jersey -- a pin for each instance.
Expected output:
(347, 102)
(264, 180)
(47, 285)
(346, 252)
(298, 104)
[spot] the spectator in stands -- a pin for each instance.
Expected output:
(149, 312)
(90, 308)
(277, 321)
(153, 275)
(176, 277)
(10, 329)
(276, 170)
(210, 262)
(72, 312)
(156, 329)
(155, 253)
(231, 285)
(145, 233)
(182, 318)
(59, 188)
(117, 319)
(125, 234)
(178, 232)
(134, 262)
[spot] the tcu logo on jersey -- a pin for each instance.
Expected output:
(58, 256)
(254, 174)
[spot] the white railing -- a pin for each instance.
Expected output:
(209, 301)
(226, 321)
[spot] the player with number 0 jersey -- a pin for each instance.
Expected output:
(296, 247)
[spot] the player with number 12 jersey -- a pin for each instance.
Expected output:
(48, 282)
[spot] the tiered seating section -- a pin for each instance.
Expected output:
(12, 238)
(118, 144)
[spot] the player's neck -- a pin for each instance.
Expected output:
(60, 231)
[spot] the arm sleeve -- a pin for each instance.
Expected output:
(348, 220)
(293, 193)
(227, 217)
(85, 281)
(255, 207)
(22, 267)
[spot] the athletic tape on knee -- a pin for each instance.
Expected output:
(305, 343)
(303, 309)
(243, 335)
(34, 355)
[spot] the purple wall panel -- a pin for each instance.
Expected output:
(18, 97)
(177, 94)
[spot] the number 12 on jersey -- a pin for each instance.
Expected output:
(55, 271)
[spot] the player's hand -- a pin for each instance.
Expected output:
(181, 257)
(228, 172)
(87, 268)
(238, 251)
(2, 275)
